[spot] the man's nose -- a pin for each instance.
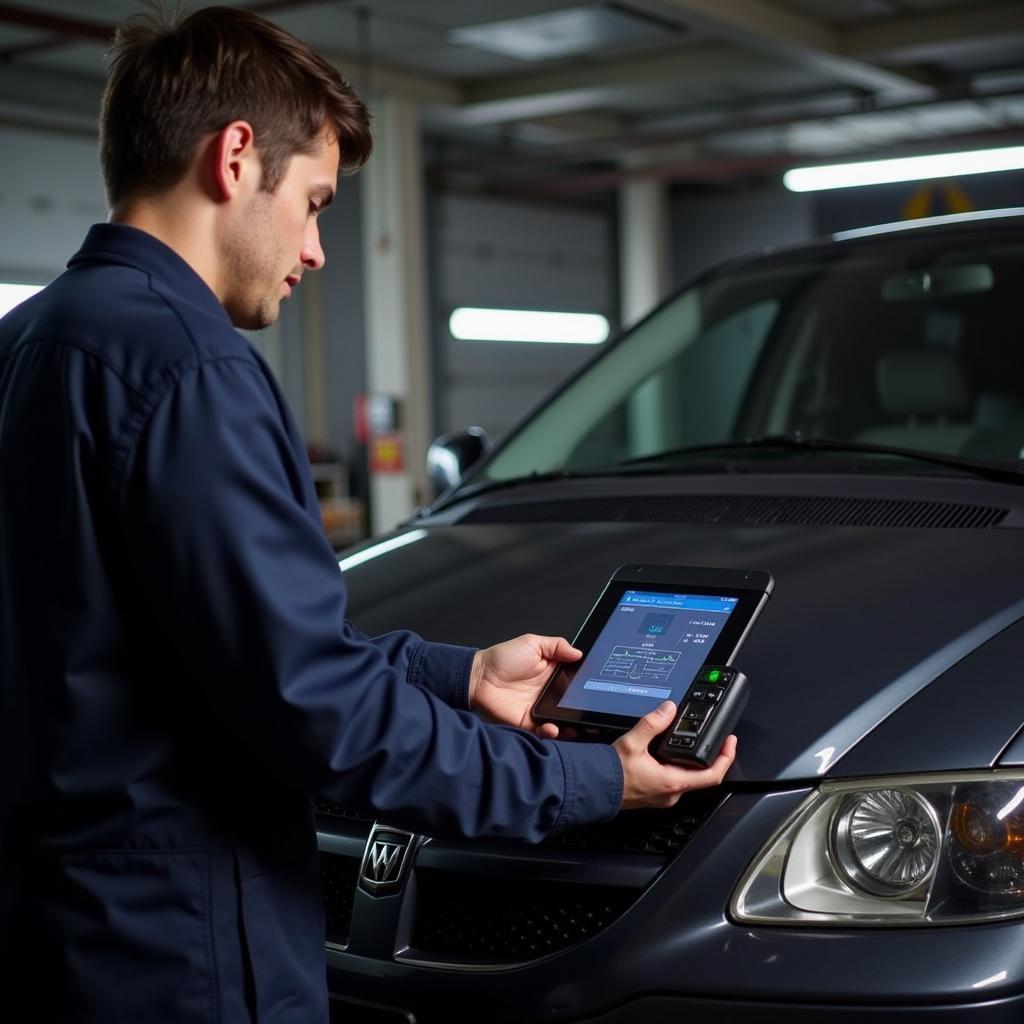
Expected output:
(312, 254)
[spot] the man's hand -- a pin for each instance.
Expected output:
(649, 783)
(506, 679)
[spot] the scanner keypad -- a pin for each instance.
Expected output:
(707, 690)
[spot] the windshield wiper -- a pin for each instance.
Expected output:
(797, 442)
(477, 488)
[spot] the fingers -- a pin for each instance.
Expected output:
(702, 778)
(548, 731)
(653, 723)
(649, 783)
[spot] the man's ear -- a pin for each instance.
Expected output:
(236, 165)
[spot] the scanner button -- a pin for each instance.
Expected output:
(698, 709)
(686, 742)
(713, 693)
(695, 694)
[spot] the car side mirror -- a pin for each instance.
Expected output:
(451, 455)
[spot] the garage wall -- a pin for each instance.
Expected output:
(882, 204)
(508, 254)
(50, 193)
(705, 231)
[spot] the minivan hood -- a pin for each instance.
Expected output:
(862, 621)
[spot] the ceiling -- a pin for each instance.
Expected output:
(571, 97)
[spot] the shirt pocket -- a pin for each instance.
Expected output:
(135, 930)
(283, 926)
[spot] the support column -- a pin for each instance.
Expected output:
(643, 283)
(397, 337)
(643, 247)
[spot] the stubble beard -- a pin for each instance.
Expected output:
(253, 257)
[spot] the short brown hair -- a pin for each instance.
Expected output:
(173, 82)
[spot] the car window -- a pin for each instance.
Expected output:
(665, 410)
(914, 343)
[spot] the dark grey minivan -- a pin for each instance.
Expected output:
(849, 417)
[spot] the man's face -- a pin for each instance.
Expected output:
(277, 239)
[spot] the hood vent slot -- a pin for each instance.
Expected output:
(749, 510)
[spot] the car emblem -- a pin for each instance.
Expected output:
(384, 860)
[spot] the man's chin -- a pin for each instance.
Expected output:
(256, 319)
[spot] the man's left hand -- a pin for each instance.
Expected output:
(507, 678)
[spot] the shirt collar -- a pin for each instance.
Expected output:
(120, 243)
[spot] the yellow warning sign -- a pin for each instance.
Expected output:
(930, 200)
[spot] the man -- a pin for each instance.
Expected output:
(176, 673)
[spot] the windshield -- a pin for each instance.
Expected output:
(912, 343)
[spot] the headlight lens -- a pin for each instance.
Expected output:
(922, 850)
(886, 841)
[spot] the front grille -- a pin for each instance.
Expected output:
(340, 876)
(660, 833)
(328, 809)
(506, 911)
(493, 920)
(748, 510)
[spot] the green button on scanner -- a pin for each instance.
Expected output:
(714, 675)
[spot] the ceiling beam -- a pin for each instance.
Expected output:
(77, 29)
(63, 31)
(74, 29)
(815, 45)
(586, 86)
(49, 100)
(414, 85)
(998, 21)
(728, 169)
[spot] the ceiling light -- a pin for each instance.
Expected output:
(911, 168)
(468, 324)
(557, 34)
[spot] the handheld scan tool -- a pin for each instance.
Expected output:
(656, 633)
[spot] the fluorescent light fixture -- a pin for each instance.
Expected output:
(911, 168)
(12, 295)
(376, 550)
(469, 324)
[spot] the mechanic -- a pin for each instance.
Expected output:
(177, 676)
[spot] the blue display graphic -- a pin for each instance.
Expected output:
(649, 651)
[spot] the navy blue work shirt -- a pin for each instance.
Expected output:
(177, 676)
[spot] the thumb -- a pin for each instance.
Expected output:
(654, 722)
(557, 648)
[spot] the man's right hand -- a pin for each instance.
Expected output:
(649, 783)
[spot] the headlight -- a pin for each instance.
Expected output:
(886, 841)
(915, 850)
